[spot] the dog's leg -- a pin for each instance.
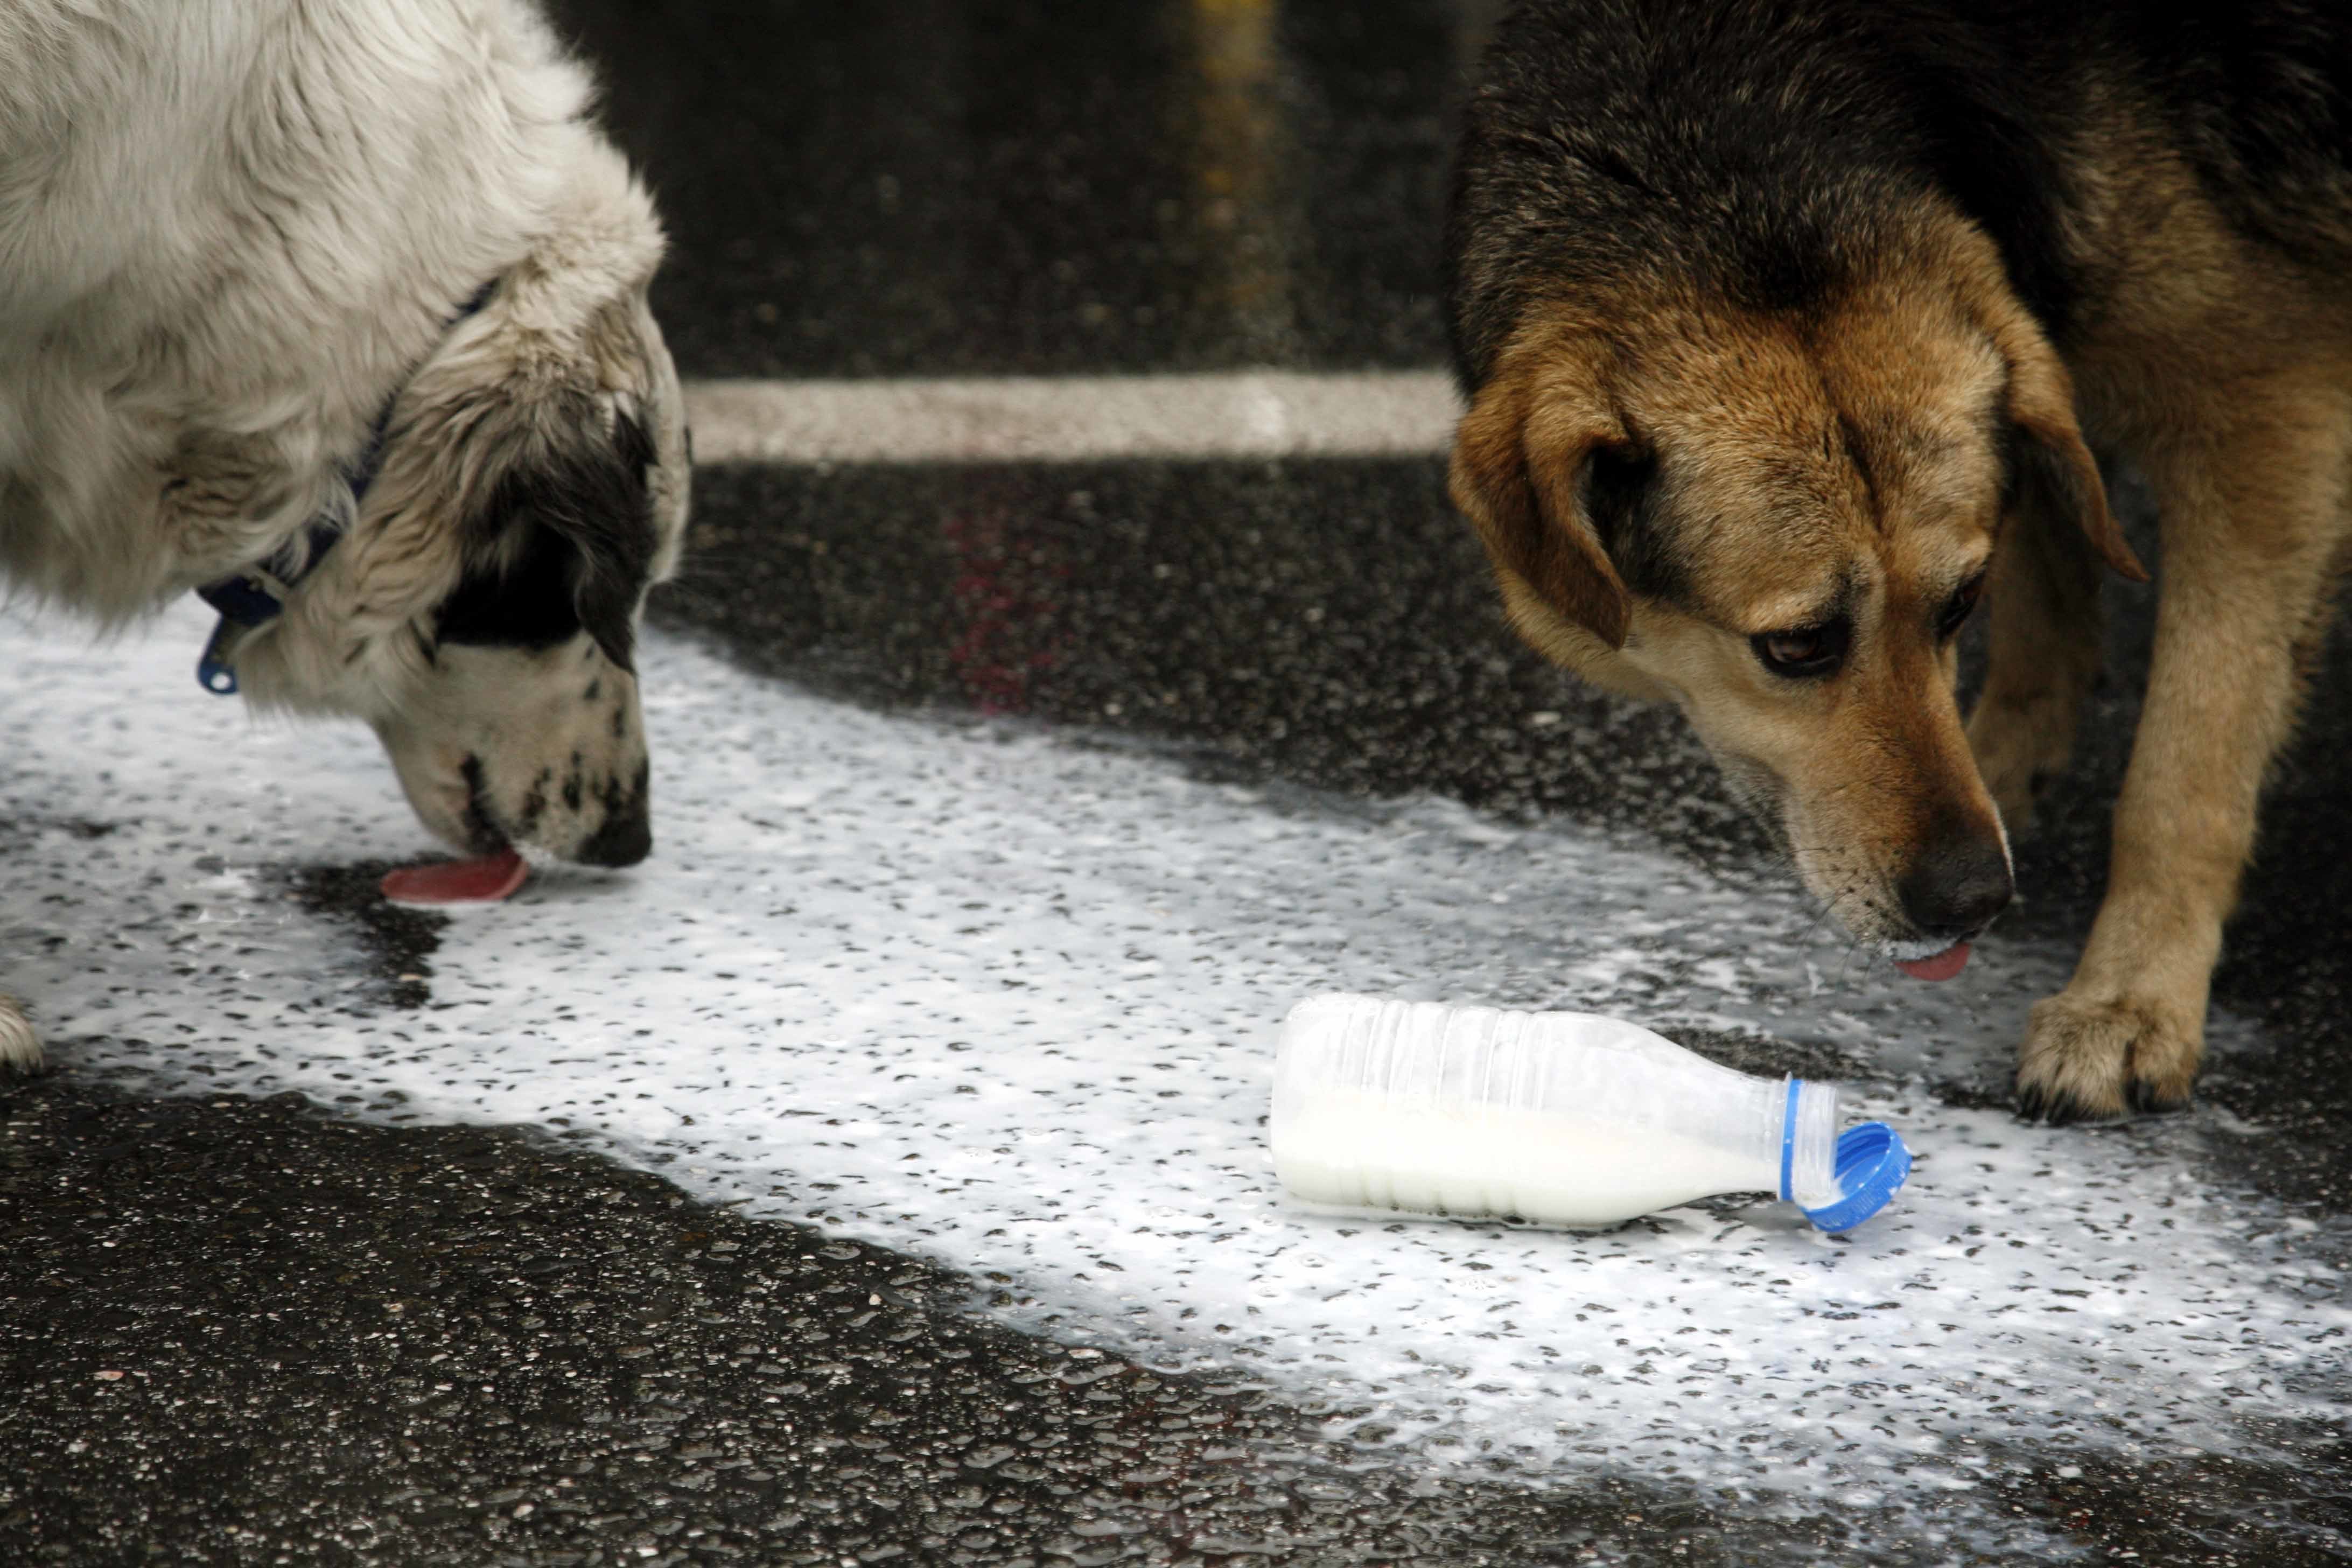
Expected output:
(2044, 656)
(20, 1048)
(2253, 513)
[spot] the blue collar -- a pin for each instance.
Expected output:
(250, 599)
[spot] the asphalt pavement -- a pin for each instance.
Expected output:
(261, 1324)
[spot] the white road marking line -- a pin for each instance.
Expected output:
(1237, 413)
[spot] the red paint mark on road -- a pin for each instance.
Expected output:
(1008, 591)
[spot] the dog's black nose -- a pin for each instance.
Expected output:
(626, 834)
(622, 841)
(1955, 889)
(625, 839)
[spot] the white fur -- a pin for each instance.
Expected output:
(230, 232)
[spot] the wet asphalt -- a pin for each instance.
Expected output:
(251, 1332)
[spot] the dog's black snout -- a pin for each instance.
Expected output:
(623, 841)
(619, 843)
(1955, 889)
(626, 834)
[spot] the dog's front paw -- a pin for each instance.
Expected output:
(2022, 744)
(2097, 1060)
(20, 1048)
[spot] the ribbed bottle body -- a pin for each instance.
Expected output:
(1566, 1119)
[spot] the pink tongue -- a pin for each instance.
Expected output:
(483, 880)
(1942, 967)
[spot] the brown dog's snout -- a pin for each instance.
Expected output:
(1957, 885)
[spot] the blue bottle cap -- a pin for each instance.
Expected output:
(1871, 1163)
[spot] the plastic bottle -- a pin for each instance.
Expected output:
(1563, 1118)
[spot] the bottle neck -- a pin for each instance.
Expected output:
(1809, 1143)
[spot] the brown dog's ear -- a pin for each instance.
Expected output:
(2051, 456)
(1518, 476)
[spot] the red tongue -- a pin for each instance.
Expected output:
(1942, 967)
(483, 880)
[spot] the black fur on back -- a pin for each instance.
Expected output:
(2259, 96)
(1757, 149)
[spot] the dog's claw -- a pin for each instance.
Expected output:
(2065, 1111)
(2059, 1108)
(2147, 1100)
(2049, 1107)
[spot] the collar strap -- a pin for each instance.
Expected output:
(251, 598)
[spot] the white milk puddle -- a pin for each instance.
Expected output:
(1011, 1004)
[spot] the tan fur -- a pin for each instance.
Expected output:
(1760, 420)
(2226, 372)
(1859, 448)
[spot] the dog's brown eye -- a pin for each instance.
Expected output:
(1956, 609)
(1815, 650)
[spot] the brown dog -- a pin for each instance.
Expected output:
(1783, 327)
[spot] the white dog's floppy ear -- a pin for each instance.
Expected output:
(562, 539)
(516, 504)
(527, 493)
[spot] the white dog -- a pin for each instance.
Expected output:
(335, 309)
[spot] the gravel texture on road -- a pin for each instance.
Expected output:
(239, 1331)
